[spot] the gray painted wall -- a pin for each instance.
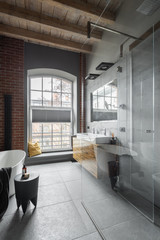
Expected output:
(37, 56)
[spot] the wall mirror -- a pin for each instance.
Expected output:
(104, 102)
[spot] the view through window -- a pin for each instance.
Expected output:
(105, 98)
(51, 107)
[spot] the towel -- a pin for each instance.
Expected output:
(5, 174)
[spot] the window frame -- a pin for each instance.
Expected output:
(104, 96)
(61, 92)
(43, 75)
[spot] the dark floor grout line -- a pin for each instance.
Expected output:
(116, 225)
(74, 203)
(39, 207)
(51, 184)
(84, 235)
(73, 200)
(74, 180)
(137, 209)
(53, 204)
(94, 222)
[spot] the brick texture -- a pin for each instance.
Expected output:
(82, 92)
(12, 82)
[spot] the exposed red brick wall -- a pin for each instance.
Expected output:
(12, 82)
(82, 92)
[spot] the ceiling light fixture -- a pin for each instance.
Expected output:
(103, 66)
(92, 76)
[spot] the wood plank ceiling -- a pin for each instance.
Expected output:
(56, 23)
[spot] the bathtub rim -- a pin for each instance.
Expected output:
(16, 150)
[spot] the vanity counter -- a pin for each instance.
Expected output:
(93, 156)
(85, 150)
(117, 150)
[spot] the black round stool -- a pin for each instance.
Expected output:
(26, 190)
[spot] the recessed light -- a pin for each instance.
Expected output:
(91, 76)
(103, 66)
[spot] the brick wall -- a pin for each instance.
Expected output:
(12, 82)
(82, 92)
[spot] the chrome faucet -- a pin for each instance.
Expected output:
(93, 130)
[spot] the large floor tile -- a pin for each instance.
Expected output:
(50, 167)
(47, 178)
(60, 215)
(12, 206)
(65, 165)
(56, 222)
(75, 189)
(84, 216)
(52, 194)
(93, 189)
(111, 211)
(41, 168)
(93, 236)
(137, 229)
(71, 174)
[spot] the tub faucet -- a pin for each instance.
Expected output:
(104, 131)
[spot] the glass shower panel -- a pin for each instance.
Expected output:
(98, 198)
(132, 157)
(156, 175)
(136, 168)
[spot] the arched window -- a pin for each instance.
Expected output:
(51, 112)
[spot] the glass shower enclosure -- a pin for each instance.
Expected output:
(136, 155)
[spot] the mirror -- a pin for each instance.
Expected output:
(104, 102)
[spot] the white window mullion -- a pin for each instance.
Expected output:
(35, 107)
(42, 136)
(42, 91)
(61, 135)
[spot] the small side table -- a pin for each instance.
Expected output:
(26, 190)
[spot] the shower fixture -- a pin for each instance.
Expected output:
(89, 24)
(119, 69)
(122, 106)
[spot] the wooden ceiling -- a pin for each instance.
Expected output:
(57, 23)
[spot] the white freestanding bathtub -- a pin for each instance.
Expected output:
(15, 160)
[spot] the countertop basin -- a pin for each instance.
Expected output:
(95, 138)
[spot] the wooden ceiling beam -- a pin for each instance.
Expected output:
(45, 20)
(85, 9)
(43, 39)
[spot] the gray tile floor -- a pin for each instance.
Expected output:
(60, 215)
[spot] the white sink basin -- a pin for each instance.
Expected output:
(95, 138)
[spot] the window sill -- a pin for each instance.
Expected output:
(50, 157)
